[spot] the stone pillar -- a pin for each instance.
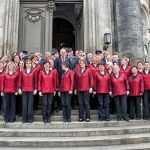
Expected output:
(2, 8)
(50, 7)
(97, 22)
(129, 29)
(89, 25)
(11, 25)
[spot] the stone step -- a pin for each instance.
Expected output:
(74, 141)
(73, 124)
(60, 118)
(141, 146)
(83, 132)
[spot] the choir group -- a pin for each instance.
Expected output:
(99, 81)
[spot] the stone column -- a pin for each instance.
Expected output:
(2, 8)
(97, 22)
(129, 29)
(89, 25)
(11, 25)
(50, 7)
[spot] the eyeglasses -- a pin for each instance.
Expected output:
(28, 63)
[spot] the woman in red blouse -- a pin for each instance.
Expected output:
(119, 89)
(37, 68)
(101, 88)
(65, 91)
(1, 81)
(83, 88)
(136, 84)
(9, 90)
(47, 89)
(28, 88)
(94, 68)
(146, 96)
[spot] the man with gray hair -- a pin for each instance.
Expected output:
(47, 55)
(40, 59)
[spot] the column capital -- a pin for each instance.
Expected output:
(51, 6)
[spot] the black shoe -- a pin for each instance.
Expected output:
(68, 120)
(127, 119)
(131, 118)
(100, 119)
(80, 120)
(24, 121)
(65, 120)
(137, 118)
(107, 119)
(118, 119)
(58, 109)
(87, 120)
(48, 121)
(44, 120)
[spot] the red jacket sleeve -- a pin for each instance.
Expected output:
(17, 81)
(126, 83)
(142, 84)
(3, 83)
(35, 79)
(95, 79)
(40, 81)
(71, 75)
(110, 84)
(20, 80)
(91, 79)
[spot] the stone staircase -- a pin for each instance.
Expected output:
(95, 135)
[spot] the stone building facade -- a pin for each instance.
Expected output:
(40, 25)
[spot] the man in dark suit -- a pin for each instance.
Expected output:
(58, 65)
(24, 55)
(104, 59)
(40, 59)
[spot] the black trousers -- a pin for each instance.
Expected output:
(146, 105)
(10, 107)
(27, 106)
(47, 99)
(2, 104)
(83, 100)
(121, 105)
(36, 101)
(103, 103)
(135, 104)
(66, 104)
(19, 105)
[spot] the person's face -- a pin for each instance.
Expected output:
(77, 53)
(94, 60)
(116, 69)
(83, 55)
(105, 54)
(63, 52)
(82, 64)
(115, 58)
(146, 66)
(34, 60)
(123, 61)
(140, 65)
(56, 55)
(90, 56)
(1, 65)
(16, 59)
(21, 64)
(51, 62)
(101, 67)
(80, 53)
(47, 55)
(99, 58)
(10, 67)
(5, 58)
(108, 66)
(46, 66)
(134, 70)
(28, 64)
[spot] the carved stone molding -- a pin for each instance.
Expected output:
(79, 18)
(51, 6)
(34, 15)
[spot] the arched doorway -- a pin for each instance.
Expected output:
(63, 34)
